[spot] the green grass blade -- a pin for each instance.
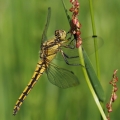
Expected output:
(95, 40)
(66, 11)
(93, 78)
(91, 83)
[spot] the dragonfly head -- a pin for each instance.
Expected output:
(61, 34)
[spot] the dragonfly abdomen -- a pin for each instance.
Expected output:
(41, 67)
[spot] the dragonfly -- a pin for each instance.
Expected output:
(49, 50)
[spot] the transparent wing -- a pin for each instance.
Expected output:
(88, 44)
(44, 35)
(61, 77)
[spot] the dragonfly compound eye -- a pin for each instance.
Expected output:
(57, 33)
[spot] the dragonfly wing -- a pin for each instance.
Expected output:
(61, 77)
(44, 35)
(88, 44)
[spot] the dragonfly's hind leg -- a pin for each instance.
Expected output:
(70, 57)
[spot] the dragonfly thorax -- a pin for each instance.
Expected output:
(51, 47)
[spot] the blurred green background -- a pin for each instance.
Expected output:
(21, 26)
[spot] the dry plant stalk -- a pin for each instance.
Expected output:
(113, 95)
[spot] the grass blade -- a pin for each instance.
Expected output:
(93, 78)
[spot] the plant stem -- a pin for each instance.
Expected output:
(95, 39)
(89, 84)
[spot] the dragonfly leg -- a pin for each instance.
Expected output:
(67, 57)
(70, 35)
(70, 45)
